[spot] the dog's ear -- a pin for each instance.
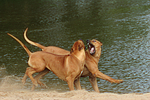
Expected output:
(101, 43)
(71, 50)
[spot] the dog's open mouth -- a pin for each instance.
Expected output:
(91, 47)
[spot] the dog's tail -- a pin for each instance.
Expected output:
(31, 42)
(26, 49)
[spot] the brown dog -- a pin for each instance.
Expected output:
(91, 63)
(66, 67)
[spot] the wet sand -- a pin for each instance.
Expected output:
(73, 95)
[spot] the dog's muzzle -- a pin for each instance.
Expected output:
(91, 47)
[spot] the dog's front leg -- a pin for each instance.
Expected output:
(70, 81)
(77, 83)
(105, 77)
(93, 81)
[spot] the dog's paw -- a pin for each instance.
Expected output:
(23, 81)
(116, 81)
(36, 84)
(44, 86)
(119, 81)
(41, 84)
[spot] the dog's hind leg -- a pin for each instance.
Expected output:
(37, 78)
(29, 72)
(24, 78)
(40, 75)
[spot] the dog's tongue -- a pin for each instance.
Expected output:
(92, 50)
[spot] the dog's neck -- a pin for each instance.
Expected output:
(94, 57)
(79, 55)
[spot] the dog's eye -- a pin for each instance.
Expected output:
(94, 41)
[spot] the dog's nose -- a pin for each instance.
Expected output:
(87, 41)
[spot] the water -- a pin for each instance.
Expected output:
(123, 26)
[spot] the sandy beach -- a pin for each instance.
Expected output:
(73, 95)
(10, 89)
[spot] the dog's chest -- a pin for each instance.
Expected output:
(79, 74)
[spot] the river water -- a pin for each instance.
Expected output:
(123, 26)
